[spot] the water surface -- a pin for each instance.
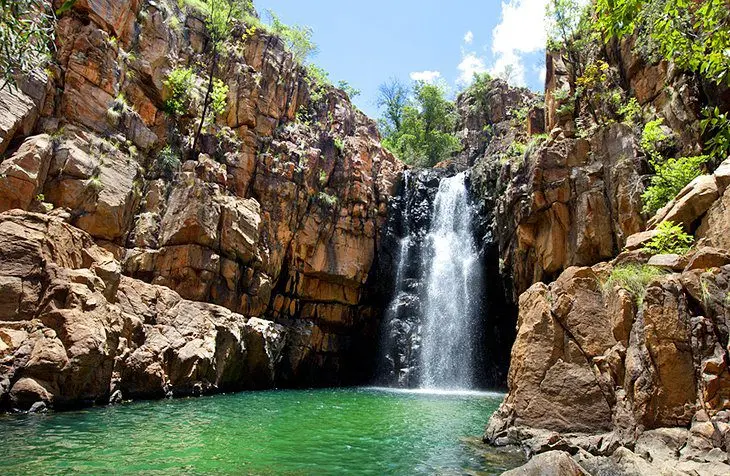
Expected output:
(353, 431)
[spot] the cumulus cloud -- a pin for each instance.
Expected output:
(469, 37)
(425, 76)
(470, 64)
(541, 72)
(521, 31)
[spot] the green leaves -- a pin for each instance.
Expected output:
(218, 98)
(298, 39)
(671, 239)
(179, 83)
(716, 130)
(671, 177)
(694, 35)
(26, 37)
(633, 278)
(67, 5)
(419, 128)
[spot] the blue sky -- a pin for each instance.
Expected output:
(365, 43)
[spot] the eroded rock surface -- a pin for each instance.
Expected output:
(276, 218)
(74, 331)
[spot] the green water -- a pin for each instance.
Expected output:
(356, 431)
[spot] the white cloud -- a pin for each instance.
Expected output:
(540, 71)
(470, 64)
(425, 76)
(521, 31)
(469, 37)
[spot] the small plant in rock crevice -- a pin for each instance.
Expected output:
(672, 239)
(671, 177)
(630, 112)
(339, 145)
(179, 83)
(633, 278)
(716, 129)
(653, 138)
(168, 162)
(326, 199)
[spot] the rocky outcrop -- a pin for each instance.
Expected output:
(276, 218)
(573, 197)
(628, 374)
(595, 360)
(572, 202)
(75, 331)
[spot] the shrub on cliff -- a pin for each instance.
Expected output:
(27, 33)
(672, 175)
(716, 129)
(179, 84)
(694, 35)
(671, 239)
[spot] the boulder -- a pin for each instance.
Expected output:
(552, 463)
(715, 228)
(79, 332)
(23, 174)
(19, 110)
(690, 204)
(672, 262)
(722, 176)
(706, 257)
(639, 240)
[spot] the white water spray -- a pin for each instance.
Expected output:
(450, 320)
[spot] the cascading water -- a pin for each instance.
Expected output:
(453, 281)
(431, 329)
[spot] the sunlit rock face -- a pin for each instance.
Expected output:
(76, 331)
(627, 382)
(276, 219)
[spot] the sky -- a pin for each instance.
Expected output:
(367, 42)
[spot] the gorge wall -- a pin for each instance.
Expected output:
(244, 267)
(603, 380)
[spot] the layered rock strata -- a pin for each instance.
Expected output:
(277, 218)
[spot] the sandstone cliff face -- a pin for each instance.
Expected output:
(572, 197)
(277, 219)
(625, 384)
(644, 372)
(76, 331)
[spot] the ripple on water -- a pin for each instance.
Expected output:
(354, 431)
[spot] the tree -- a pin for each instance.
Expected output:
(220, 17)
(298, 38)
(393, 97)
(26, 37)
(693, 34)
(421, 127)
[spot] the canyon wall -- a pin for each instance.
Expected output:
(605, 378)
(114, 248)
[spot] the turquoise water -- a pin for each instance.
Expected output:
(355, 431)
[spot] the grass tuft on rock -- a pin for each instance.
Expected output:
(633, 278)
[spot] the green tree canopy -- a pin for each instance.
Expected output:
(419, 127)
(693, 34)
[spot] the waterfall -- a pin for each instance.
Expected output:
(430, 336)
(450, 310)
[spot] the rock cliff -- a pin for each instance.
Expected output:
(606, 378)
(124, 236)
